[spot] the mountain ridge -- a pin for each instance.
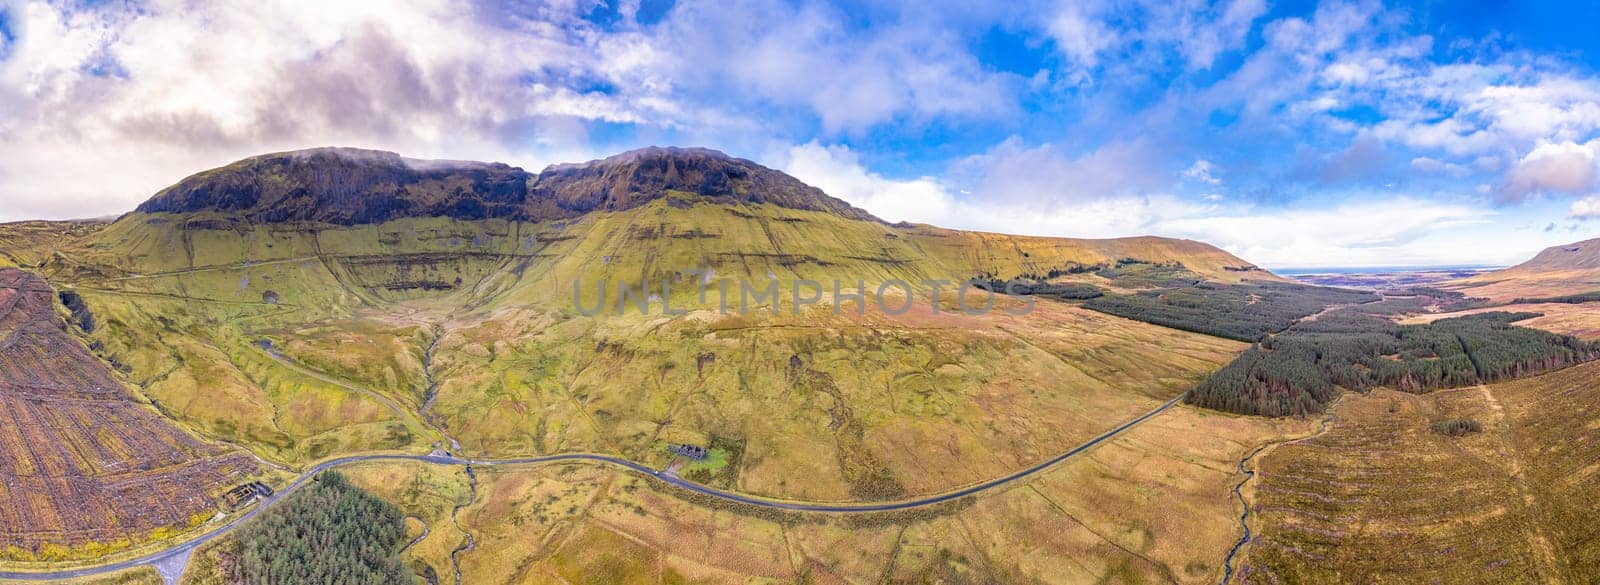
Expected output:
(351, 186)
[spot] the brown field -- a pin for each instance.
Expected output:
(816, 407)
(1152, 506)
(1581, 320)
(1381, 497)
(1507, 286)
(86, 468)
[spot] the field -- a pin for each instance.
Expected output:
(1150, 506)
(821, 407)
(1383, 497)
(88, 468)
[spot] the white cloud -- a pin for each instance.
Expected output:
(838, 172)
(998, 203)
(1432, 165)
(107, 104)
(1047, 174)
(1374, 233)
(1586, 208)
(1080, 31)
(1201, 171)
(1400, 231)
(1565, 167)
(1088, 32)
(809, 56)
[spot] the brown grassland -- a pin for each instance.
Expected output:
(1151, 506)
(1381, 497)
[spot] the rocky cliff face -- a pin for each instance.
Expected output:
(347, 186)
(634, 178)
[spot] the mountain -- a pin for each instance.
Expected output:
(696, 207)
(348, 186)
(1583, 255)
(354, 265)
(1567, 269)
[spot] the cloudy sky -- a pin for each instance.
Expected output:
(1295, 134)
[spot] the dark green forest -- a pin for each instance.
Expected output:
(1245, 312)
(1301, 369)
(1311, 341)
(328, 533)
(1580, 298)
(1069, 291)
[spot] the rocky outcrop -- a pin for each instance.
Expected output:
(634, 178)
(347, 186)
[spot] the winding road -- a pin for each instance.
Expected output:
(189, 546)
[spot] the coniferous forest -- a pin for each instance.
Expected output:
(1301, 369)
(1311, 341)
(328, 533)
(1245, 312)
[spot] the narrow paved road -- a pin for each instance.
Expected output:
(189, 546)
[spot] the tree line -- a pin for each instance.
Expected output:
(1300, 370)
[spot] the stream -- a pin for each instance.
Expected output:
(455, 518)
(1238, 493)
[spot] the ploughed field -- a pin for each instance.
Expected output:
(87, 468)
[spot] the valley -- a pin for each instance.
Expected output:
(416, 326)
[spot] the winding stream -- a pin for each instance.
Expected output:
(1249, 474)
(455, 518)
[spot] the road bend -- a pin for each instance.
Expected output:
(189, 546)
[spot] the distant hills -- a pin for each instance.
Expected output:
(1583, 255)
(1566, 269)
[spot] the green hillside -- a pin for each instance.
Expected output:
(305, 339)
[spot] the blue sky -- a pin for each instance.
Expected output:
(1291, 133)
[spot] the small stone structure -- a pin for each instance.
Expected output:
(241, 494)
(694, 452)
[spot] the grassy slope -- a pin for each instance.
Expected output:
(520, 372)
(1381, 497)
(28, 243)
(879, 406)
(1152, 506)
